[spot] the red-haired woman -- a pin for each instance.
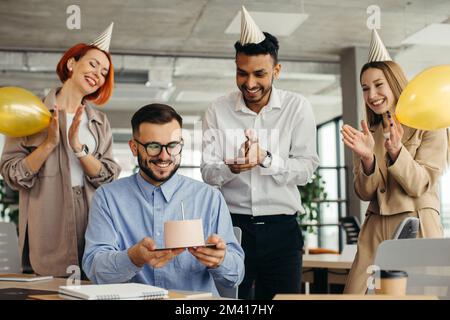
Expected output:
(57, 170)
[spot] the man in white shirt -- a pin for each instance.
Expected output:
(258, 145)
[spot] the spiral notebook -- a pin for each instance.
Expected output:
(125, 291)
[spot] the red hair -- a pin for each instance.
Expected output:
(103, 94)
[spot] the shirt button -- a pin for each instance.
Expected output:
(27, 174)
(102, 174)
(158, 234)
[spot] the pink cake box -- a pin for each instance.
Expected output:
(183, 233)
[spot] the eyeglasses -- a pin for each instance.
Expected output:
(154, 149)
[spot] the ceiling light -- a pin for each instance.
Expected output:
(435, 34)
(279, 24)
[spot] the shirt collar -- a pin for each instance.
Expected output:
(274, 102)
(168, 188)
(50, 102)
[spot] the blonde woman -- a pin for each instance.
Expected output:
(397, 169)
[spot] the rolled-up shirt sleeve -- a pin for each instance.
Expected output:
(13, 165)
(109, 170)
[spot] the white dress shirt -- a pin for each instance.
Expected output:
(285, 127)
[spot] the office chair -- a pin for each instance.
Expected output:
(9, 248)
(407, 229)
(227, 292)
(351, 227)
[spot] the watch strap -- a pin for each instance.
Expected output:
(84, 152)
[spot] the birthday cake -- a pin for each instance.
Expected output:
(183, 233)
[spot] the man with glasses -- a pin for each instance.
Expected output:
(127, 217)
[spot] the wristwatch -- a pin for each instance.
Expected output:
(84, 151)
(267, 160)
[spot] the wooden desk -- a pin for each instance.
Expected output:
(53, 285)
(323, 269)
(328, 261)
(350, 297)
(50, 285)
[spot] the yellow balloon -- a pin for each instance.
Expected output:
(425, 102)
(21, 112)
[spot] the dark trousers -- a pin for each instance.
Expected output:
(273, 255)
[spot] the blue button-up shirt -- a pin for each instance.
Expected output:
(123, 212)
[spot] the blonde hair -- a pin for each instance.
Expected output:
(396, 79)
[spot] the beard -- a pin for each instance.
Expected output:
(264, 92)
(144, 166)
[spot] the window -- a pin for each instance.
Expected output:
(332, 169)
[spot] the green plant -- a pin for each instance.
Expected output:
(8, 203)
(312, 194)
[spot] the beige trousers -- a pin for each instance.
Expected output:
(376, 229)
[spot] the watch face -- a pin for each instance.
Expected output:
(268, 160)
